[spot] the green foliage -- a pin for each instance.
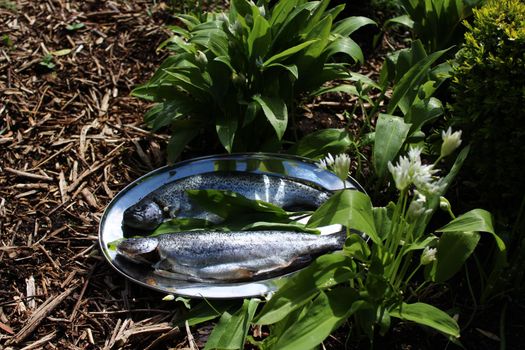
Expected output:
(47, 62)
(238, 76)
(437, 23)
(369, 281)
(489, 87)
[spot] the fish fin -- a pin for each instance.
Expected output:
(296, 261)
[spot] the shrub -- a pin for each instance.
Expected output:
(238, 75)
(489, 88)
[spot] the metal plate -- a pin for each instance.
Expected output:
(295, 168)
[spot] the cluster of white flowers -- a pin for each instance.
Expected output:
(339, 165)
(410, 170)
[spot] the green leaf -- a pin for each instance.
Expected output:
(226, 127)
(411, 78)
(230, 332)
(259, 38)
(391, 133)
(275, 111)
(347, 46)
(427, 315)
(327, 312)
(349, 208)
(228, 204)
(75, 26)
(281, 56)
(453, 250)
(349, 25)
(423, 111)
(356, 247)
(206, 311)
(183, 132)
(180, 225)
(326, 271)
(321, 142)
(292, 68)
(403, 20)
(479, 220)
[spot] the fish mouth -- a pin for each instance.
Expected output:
(139, 250)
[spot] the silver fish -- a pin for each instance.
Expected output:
(228, 256)
(171, 200)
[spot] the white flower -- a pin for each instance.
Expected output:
(338, 165)
(169, 297)
(401, 173)
(410, 170)
(428, 255)
(326, 162)
(451, 141)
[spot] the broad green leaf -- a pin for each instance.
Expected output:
(391, 133)
(412, 78)
(230, 332)
(242, 7)
(259, 38)
(420, 244)
(281, 11)
(383, 219)
(421, 112)
(403, 20)
(275, 111)
(183, 132)
(292, 68)
(180, 225)
(281, 56)
(475, 220)
(326, 271)
(453, 250)
(479, 220)
(327, 312)
(226, 127)
(427, 315)
(356, 247)
(226, 204)
(347, 46)
(345, 88)
(349, 25)
(321, 142)
(206, 311)
(349, 208)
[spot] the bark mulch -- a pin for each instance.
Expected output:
(70, 139)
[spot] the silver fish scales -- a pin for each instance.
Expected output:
(228, 256)
(171, 199)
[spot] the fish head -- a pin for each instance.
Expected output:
(145, 215)
(139, 249)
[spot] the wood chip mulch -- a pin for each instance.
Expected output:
(70, 139)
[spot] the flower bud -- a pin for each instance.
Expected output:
(428, 255)
(444, 204)
(451, 141)
(201, 59)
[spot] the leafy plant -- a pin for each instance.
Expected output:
(437, 23)
(47, 61)
(370, 280)
(238, 76)
(391, 123)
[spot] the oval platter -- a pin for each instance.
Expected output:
(292, 167)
